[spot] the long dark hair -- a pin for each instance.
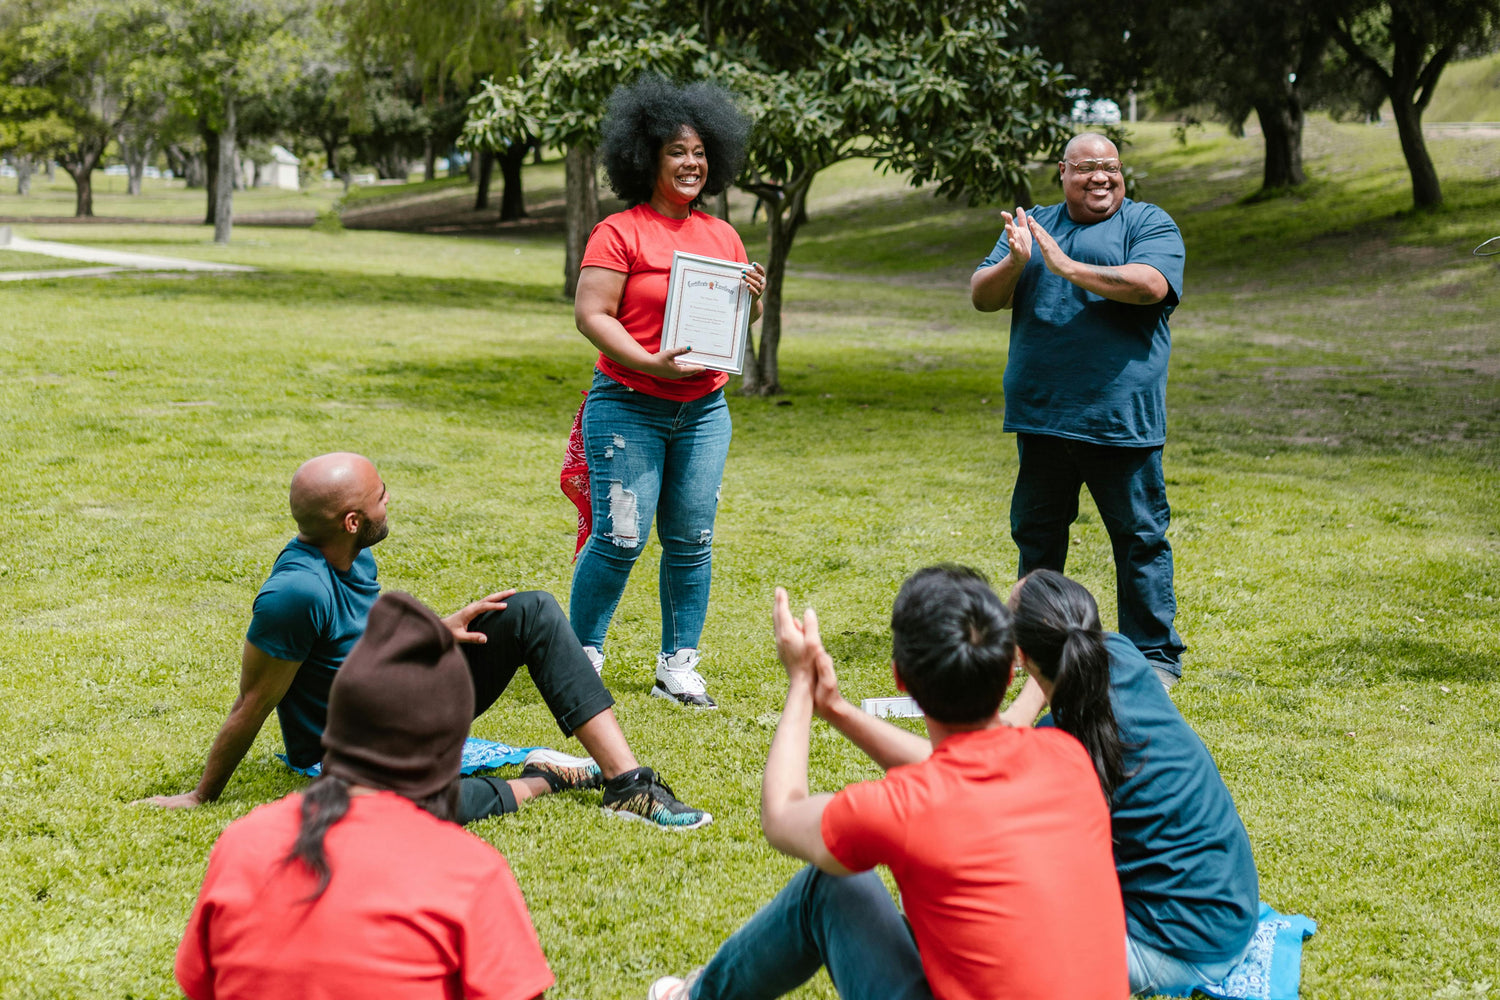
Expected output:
(1057, 627)
(325, 802)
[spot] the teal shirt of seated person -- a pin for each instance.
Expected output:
(310, 613)
(1186, 870)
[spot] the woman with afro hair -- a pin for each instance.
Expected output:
(655, 429)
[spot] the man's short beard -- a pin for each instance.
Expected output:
(371, 533)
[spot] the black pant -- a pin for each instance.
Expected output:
(533, 632)
(1131, 493)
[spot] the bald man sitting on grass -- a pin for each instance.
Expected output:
(313, 609)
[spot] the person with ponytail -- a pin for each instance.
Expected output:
(1186, 870)
(364, 884)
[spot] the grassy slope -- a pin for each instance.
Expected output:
(1469, 91)
(1335, 438)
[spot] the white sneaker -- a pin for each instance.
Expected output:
(673, 987)
(596, 658)
(677, 679)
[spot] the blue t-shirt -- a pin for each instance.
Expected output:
(313, 614)
(1182, 854)
(1082, 366)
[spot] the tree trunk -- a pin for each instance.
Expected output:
(1409, 84)
(1281, 125)
(83, 177)
(1024, 196)
(392, 166)
(721, 205)
(211, 173)
(51, 169)
(224, 208)
(783, 214)
(484, 170)
(24, 168)
(583, 209)
(429, 160)
(136, 154)
(512, 197)
(1426, 190)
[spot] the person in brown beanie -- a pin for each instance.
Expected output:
(312, 610)
(361, 885)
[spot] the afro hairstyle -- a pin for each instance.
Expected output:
(647, 114)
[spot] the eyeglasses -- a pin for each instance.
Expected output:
(1093, 166)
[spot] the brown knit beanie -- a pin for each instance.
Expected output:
(401, 703)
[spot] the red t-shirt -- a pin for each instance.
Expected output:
(639, 241)
(1000, 845)
(417, 909)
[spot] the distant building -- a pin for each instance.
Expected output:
(280, 172)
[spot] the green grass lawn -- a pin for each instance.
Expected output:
(17, 260)
(1333, 460)
(159, 199)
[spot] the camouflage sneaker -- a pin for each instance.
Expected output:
(641, 795)
(562, 772)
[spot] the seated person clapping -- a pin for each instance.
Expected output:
(998, 838)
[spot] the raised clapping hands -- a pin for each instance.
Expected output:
(1024, 234)
(458, 622)
(800, 647)
(828, 700)
(797, 642)
(1018, 234)
(1052, 254)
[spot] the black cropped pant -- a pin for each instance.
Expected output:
(532, 632)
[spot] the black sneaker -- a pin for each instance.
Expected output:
(562, 772)
(641, 795)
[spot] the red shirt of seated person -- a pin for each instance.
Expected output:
(391, 898)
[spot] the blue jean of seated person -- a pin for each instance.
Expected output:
(849, 924)
(1155, 973)
(650, 458)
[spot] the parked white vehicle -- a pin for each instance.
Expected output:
(1093, 111)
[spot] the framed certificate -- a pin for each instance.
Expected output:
(708, 309)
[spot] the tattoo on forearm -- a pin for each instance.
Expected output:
(1112, 277)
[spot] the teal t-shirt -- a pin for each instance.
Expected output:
(1082, 366)
(1181, 851)
(313, 614)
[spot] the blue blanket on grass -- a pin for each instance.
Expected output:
(479, 755)
(1273, 968)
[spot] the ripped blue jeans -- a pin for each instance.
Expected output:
(658, 459)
